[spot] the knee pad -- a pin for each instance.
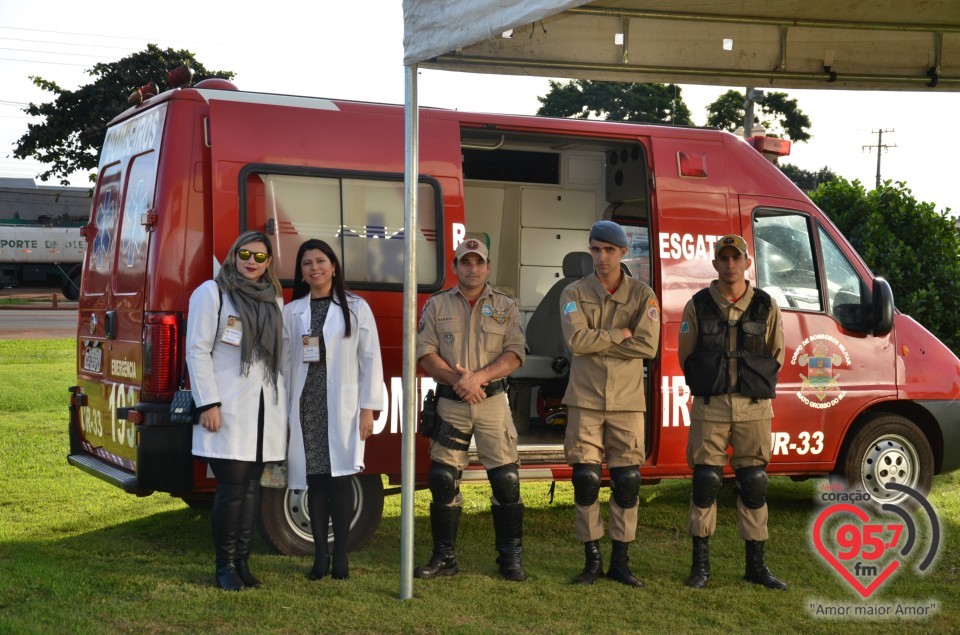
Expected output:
(707, 480)
(626, 485)
(443, 480)
(505, 483)
(586, 483)
(753, 486)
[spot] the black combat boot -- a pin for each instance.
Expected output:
(248, 521)
(593, 563)
(620, 566)
(508, 528)
(226, 518)
(444, 521)
(700, 568)
(757, 571)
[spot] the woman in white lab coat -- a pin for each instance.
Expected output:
(335, 379)
(234, 354)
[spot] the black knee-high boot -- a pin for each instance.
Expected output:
(226, 520)
(317, 495)
(248, 523)
(341, 509)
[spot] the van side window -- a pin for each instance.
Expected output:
(843, 283)
(361, 218)
(785, 260)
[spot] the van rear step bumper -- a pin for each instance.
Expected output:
(106, 472)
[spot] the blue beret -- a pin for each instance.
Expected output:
(607, 231)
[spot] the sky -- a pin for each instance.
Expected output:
(354, 50)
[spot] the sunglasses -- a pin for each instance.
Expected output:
(258, 256)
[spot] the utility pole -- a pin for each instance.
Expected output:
(880, 149)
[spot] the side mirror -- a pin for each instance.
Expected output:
(882, 310)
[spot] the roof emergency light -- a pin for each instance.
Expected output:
(144, 92)
(180, 76)
(770, 147)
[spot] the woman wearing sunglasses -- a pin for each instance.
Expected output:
(336, 386)
(234, 354)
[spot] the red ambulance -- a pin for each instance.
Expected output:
(864, 391)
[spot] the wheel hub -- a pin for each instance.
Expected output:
(891, 458)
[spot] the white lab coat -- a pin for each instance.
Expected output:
(215, 377)
(354, 381)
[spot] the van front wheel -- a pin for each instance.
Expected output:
(889, 448)
(285, 517)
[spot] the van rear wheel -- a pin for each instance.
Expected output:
(889, 448)
(285, 517)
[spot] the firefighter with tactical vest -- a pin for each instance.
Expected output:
(731, 350)
(469, 339)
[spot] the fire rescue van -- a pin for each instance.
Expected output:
(865, 391)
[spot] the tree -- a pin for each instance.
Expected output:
(75, 123)
(615, 101)
(778, 113)
(806, 180)
(913, 246)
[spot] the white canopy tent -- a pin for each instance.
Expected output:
(827, 44)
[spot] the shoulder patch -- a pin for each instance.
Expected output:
(653, 314)
(685, 327)
(569, 307)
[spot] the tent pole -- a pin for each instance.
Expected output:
(409, 379)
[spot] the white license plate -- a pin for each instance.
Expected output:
(93, 359)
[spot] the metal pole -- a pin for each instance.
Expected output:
(747, 114)
(879, 152)
(409, 378)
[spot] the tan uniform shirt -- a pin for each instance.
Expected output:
(730, 406)
(470, 336)
(606, 372)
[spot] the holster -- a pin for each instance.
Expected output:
(428, 415)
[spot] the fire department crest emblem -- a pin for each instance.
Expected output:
(821, 370)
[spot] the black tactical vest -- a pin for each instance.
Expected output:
(706, 369)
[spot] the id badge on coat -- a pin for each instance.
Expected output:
(311, 348)
(233, 332)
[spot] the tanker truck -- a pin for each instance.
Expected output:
(42, 256)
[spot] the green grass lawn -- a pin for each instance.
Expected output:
(79, 556)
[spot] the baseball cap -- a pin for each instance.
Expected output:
(472, 246)
(730, 240)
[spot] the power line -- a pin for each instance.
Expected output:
(4, 48)
(99, 46)
(9, 59)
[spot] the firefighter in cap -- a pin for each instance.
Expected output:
(611, 323)
(731, 349)
(469, 341)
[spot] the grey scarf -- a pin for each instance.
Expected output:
(262, 339)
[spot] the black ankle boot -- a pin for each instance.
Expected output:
(508, 529)
(444, 521)
(225, 517)
(620, 566)
(248, 522)
(700, 567)
(757, 571)
(593, 563)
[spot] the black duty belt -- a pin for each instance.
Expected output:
(493, 388)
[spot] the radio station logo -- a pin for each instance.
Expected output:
(867, 545)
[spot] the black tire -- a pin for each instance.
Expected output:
(285, 519)
(71, 284)
(888, 448)
(198, 503)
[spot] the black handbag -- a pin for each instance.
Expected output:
(183, 410)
